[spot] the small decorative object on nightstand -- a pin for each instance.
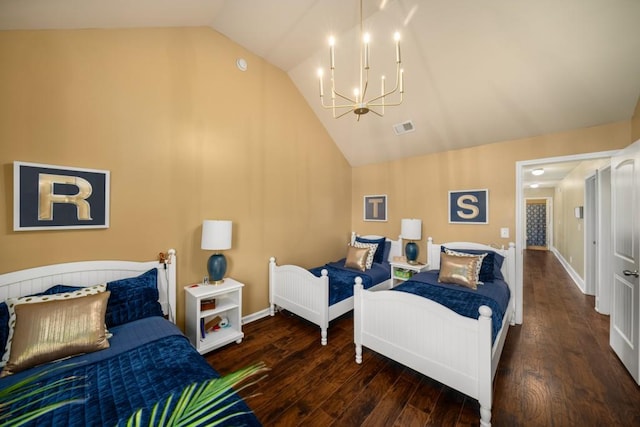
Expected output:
(402, 271)
(411, 229)
(213, 315)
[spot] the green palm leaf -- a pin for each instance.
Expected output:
(201, 403)
(29, 387)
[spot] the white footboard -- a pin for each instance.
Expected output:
(429, 338)
(297, 290)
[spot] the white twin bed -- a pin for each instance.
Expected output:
(298, 291)
(431, 338)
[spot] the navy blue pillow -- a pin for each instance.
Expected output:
(131, 299)
(387, 250)
(379, 255)
(491, 264)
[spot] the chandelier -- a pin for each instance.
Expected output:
(359, 103)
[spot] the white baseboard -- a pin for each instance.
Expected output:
(255, 316)
(572, 273)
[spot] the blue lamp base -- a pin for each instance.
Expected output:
(216, 267)
(411, 252)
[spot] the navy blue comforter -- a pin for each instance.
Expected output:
(147, 360)
(342, 279)
(462, 300)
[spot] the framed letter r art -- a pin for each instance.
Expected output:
(375, 208)
(47, 197)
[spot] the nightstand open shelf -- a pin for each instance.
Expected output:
(228, 306)
(401, 271)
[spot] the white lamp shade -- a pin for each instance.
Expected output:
(411, 229)
(216, 235)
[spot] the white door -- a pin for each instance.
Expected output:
(625, 322)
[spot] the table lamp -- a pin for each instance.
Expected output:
(216, 236)
(411, 229)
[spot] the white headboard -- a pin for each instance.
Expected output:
(396, 245)
(87, 273)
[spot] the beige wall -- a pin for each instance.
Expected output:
(418, 187)
(569, 230)
(186, 136)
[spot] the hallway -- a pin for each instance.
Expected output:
(557, 368)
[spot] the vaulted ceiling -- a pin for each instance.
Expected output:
(475, 72)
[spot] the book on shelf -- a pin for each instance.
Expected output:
(207, 304)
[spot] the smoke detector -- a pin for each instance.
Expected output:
(404, 127)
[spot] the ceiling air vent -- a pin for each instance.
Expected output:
(404, 127)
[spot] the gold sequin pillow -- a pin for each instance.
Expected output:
(479, 256)
(13, 302)
(357, 258)
(49, 330)
(460, 270)
(372, 251)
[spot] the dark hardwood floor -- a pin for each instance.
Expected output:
(557, 369)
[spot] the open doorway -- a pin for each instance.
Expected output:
(528, 165)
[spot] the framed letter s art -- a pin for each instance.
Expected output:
(375, 208)
(47, 197)
(469, 207)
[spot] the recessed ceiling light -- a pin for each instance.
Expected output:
(537, 172)
(534, 185)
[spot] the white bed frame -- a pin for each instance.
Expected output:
(295, 289)
(431, 338)
(87, 273)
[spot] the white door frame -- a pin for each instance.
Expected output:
(591, 228)
(520, 243)
(605, 272)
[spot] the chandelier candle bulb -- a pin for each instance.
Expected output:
(320, 80)
(396, 36)
(401, 81)
(332, 59)
(366, 51)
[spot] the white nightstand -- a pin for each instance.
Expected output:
(228, 305)
(401, 271)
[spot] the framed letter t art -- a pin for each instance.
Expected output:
(375, 208)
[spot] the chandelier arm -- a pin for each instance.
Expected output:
(328, 107)
(392, 91)
(366, 86)
(346, 98)
(375, 112)
(343, 114)
(386, 104)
